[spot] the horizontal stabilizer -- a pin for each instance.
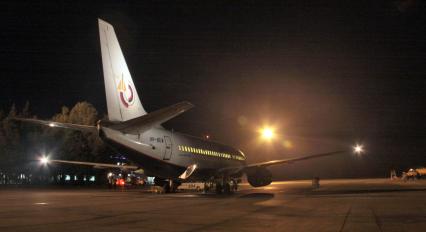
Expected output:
(79, 127)
(145, 122)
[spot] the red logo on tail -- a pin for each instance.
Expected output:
(125, 100)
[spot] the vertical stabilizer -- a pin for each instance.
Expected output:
(122, 99)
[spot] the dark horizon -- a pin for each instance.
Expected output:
(328, 75)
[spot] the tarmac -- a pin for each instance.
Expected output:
(337, 205)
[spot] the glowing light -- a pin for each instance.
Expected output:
(120, 182)
(44, 160)
(267, 133)
(52, 124)
(358, 149)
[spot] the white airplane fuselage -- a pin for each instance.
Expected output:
(166, 154)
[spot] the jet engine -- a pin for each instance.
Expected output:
(258, 177)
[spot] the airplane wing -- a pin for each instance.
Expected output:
(145, 122)
(78, 127)
(234, 170)
(96, 165)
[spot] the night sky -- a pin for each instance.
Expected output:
(327, 74)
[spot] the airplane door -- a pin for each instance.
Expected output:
(167, 148)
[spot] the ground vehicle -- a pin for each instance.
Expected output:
(416, 173)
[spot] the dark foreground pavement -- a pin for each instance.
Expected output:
(339, 205)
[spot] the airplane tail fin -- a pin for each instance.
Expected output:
(122, 99)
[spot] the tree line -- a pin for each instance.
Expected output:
(22, 144)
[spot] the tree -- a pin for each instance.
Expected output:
(12, 111)
(21, 142)
(10, 128)
(78, 145)
(2, 135)
(83, 113)
(13, 143)
(63, 116)
(26, 110)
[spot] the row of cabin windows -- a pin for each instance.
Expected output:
(209, 152)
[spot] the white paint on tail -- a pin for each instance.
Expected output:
(122, 98)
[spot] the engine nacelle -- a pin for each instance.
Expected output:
(258, 177)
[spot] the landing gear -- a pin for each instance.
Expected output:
(173, 186)
(226, 186)
(168, 186)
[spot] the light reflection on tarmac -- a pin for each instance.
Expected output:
(338, 205)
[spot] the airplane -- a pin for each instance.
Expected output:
(171, 157)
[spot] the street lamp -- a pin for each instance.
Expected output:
(44, 160)
(267, 133)
(358, 149)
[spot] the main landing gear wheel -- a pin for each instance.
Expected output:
(171, 186)
(167, 186)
